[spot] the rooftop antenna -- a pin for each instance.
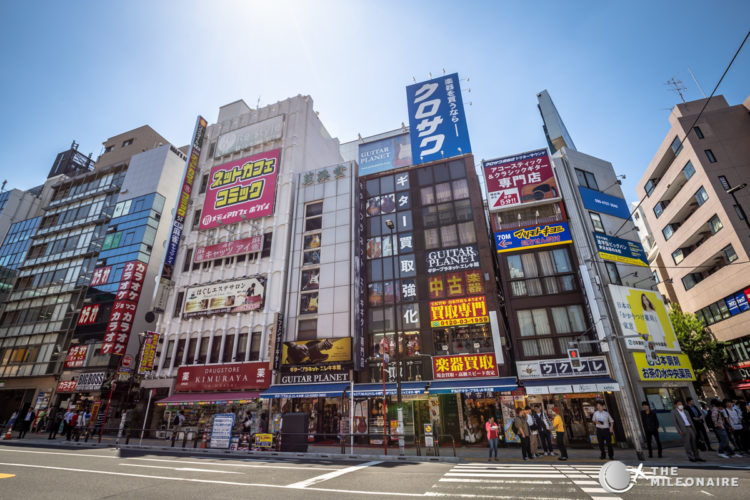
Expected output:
(696, 82)
(257, 105)
(677, 87)
(2, 189)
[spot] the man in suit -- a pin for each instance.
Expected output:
(651, 428)
(686, 428)
(699, 421)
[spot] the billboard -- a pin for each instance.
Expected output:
(385, 154)
(229, 249)
(620, 250)
(671, 367)
(88, 314)
(536, 236)
(643, 313)
(604, 203)
(464, 311)
(311, 352)
(225, 377)
(437, 120)
(123, 310)
(519, 179)
(452, 259)
(464, 366)
(228, 297)
(590, 366)
(249, 136)
(241, 189)
(76, 356)
(148, 352)
(100, 276)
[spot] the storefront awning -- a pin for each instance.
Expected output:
(469, 385)
(305, 391)
(375, 390)
(207, 398)
(741, 386)
(571, 385)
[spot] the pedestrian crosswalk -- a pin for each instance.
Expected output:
(539, 481)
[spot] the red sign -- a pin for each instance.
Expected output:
(123, 311)
(464, 365)
(67, 386)
(453, 312)
(455, 284)
(241, 189)
(88, 314)
(76, 356)
(228, 249)
(226, 377)
(127, 361)
(519, 179)
(100, 276)
(148, 352)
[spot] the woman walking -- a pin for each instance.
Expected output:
(493, 431)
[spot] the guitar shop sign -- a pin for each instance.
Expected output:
(226, 377)
(520, 179)
(314, 374)
(452, 259)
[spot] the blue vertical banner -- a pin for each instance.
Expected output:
(437, 120)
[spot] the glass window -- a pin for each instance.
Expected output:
(529, 265)
(386, 184)
(441, 172)
(698, 132)
(596, 220)
(688, 171)
(740, 212)
(449, 236)
(562, 261)
(650, 185)
(372, 187)
(466, 233)
(560, 319)
(710, 156)
(715, 224)
(457, 169)
(427, 195)
(424, 176)
(514, 266)
(586, 179)
(463, 211)
(431, 238)
(613, 273)
(701, 196)
(460, 189)
(242, 346)
(678, 256)
(676, 146)
(668, 231)
(443, 192)
(446, 214)
(729, 253)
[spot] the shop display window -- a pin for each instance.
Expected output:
(463, 339)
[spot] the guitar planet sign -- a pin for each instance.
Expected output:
(520, 179)
(452, 259)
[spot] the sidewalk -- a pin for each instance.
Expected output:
(673, 456)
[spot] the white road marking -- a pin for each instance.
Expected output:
(472, 495)
(185, 469)
(260, 466)
(331, 475)
(707, 493)
(493, 481)
(58, 453)
(511, 475)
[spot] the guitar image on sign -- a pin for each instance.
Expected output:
(537, 192)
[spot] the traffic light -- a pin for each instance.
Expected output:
(575, 357)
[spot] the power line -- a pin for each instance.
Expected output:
(694, 121)
(669, 267)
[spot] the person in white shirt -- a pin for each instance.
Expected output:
(685, 427)
(604, 428)
(534, 433)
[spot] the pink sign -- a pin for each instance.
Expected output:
(241, 189)
(228, 249)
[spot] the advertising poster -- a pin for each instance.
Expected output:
(604, 203)
(148, 352)
(76, 356)
(385, 154)
(241, 189)
(122, 317)
(90, 381)
(452, 259)
(668, 367)
(519, 179)
(619, 250)
(229, 297)
(221, 430)
(464, 366)
(229, 249)
(454, 312)
(643, 313)
(88, 314)
(100, 276)
(437, 121)
(310, 352)
(536, 236)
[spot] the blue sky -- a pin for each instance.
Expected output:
(86, 71)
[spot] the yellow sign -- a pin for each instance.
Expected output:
(465, 311)
(622, 258)
(311, 352)
(668, 367)
(264, 440)
(642, 312)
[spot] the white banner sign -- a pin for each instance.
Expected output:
(562, 368)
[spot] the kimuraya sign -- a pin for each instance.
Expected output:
(241, 189)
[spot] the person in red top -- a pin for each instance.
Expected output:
(493, 431)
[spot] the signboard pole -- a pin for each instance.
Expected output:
(351, 416)
(148, 407)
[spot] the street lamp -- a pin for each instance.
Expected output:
(731, 192)
(400, 411)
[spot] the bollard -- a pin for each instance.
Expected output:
(127, 437)
(184, 439)
(174, 437)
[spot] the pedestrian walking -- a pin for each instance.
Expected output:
(28, 419)
(493, 432)
(686, 428)
(745, 419)
(704, 443)
(559, 426)
(533, 433)
(543, 426)
(68, 424)
(604, 428)
(721, 425)
(521, 427)
(11, 424)
(650, 428)
(735, 425)
(54, 422)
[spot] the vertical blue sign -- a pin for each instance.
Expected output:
(437, 120)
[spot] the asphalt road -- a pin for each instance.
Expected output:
(59, 474)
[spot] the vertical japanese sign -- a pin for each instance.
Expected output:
(359, 281)
(221, 431)
(123, 311)
(437, 120)
(178, 223)
(148, 352)
(519, 179)
(241, 189)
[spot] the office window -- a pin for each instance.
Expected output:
(659, 208)
(178, 304)
(241, 347)
(715, 224)
(215, 348)
(196, 218)
(613, 273)
(586, 179)
(690, 280)
(255, 346)
(204, 184)
(678, 256)
(266, 250)
(688, 170)
(308, 329)
(656, 276)
(701, 196)
(188, 258)
(710, 155)
(109, 149)
(596, 220)
(668, 231)
(724, 183)
(127, 142)
(676, 146)
(729, 253)
(650, 185)
(698, 132)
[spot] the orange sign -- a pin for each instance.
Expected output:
(464, 365)
(465, 311)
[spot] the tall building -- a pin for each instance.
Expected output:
(230, 297)
(694, 195)
(59, 331)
